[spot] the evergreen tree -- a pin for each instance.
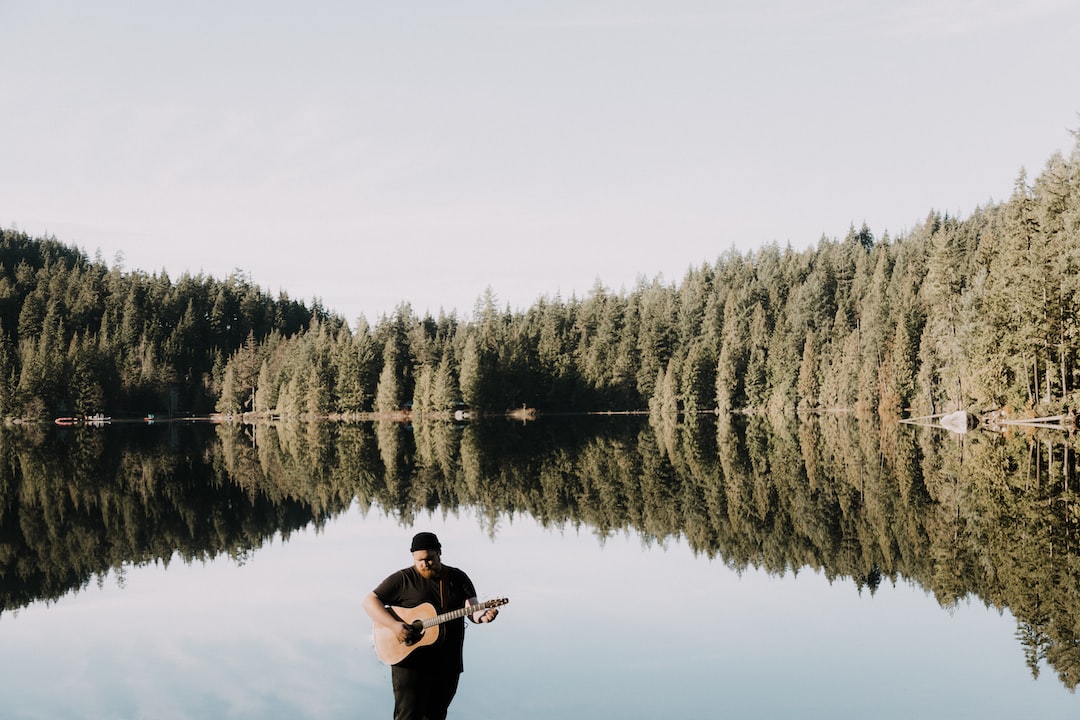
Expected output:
(388, 392)
(732, 360)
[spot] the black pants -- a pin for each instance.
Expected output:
(422, 694)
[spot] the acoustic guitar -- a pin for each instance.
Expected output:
(425, 628)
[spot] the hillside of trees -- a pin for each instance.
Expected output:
(77, 337)
(977, 313)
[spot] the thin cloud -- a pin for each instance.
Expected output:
(938, 20)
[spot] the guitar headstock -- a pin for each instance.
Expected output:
(498, 602)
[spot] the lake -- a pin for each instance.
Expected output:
(742, 569)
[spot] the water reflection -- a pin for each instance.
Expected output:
(986, 516)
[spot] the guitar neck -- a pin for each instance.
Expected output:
(460, 612)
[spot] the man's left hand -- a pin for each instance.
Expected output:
(487, 616)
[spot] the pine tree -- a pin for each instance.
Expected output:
(388, 391)
(444, 392)
(731, 362)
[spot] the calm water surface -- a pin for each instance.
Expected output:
(600, 624)
(593, 629)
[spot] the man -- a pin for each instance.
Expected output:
(426, 680)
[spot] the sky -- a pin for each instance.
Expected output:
(370, 154)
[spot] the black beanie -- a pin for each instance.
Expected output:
(425, 541)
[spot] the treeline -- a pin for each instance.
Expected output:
(979, 313)
(77, 337)
(976, 313)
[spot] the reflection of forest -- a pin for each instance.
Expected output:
(986, 516)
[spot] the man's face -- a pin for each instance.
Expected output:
(427, 563)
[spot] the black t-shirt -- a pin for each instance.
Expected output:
(408, 588)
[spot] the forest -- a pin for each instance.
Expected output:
(975, 313)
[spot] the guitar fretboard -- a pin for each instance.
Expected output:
(462, 612)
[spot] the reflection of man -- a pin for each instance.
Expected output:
(426, 680)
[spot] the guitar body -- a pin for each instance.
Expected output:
(391, 650)
(426, 628)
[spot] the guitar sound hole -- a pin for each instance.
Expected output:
(416, 634)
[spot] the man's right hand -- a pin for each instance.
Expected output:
(408, 634)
